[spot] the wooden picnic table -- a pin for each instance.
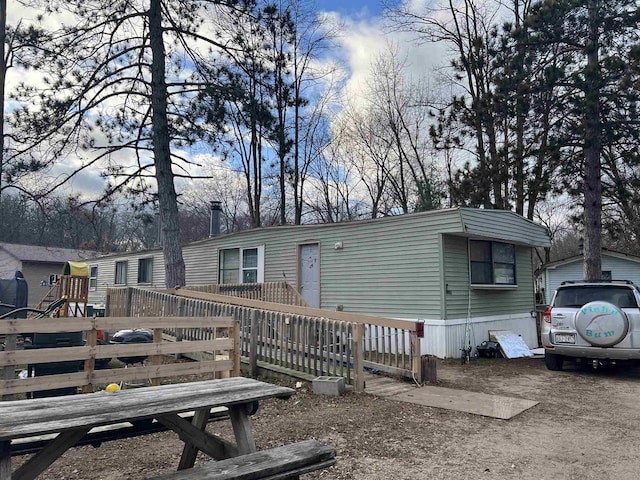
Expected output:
(72, 417)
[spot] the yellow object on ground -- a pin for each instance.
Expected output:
(112, 387)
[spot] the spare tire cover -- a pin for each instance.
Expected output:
(602, 324)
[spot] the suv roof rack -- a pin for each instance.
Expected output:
(578, 282)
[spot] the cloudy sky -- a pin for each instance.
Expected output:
(361, 39)
(353, 8)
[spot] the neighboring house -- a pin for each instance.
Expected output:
(459, 270)
(37, 264)
(615, 265)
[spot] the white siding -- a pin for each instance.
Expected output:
(8, 265)
(107, 270)
(621, 269)
(446, 339)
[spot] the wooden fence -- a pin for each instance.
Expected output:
(303, 341)
(220, 344)
(274, 292)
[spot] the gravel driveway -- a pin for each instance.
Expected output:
(585, 427)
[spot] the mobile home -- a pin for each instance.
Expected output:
(461, 271)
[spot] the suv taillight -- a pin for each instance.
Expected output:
(547, 315)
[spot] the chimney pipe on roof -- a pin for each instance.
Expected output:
(214, 226)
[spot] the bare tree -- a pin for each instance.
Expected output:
(364, 149)
(333, 185)
(312, 38)
(501, 109)
(388, 126)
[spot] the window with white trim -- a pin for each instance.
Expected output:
(241, 265)
(492, 263)
(121, 273)
(93, 278)
(145, 270)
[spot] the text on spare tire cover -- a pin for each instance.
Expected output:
(602, 324)
(604, 310)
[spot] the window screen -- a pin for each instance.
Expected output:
(121, 273)
(492, 263)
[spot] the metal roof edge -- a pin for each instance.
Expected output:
(9, 253)
(575, 258)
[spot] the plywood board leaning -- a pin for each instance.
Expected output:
(511, 344)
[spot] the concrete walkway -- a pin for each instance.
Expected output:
(495, 406)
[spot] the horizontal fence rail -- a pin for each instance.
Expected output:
(300, 340)
(219, 351)
(275, 292)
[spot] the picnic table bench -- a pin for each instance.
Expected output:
(288, 461)
(72, 417)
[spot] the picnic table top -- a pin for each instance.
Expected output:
(23, 418)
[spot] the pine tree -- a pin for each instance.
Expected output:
(119, 80)
(593, 41)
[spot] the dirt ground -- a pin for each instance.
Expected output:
(585, 427)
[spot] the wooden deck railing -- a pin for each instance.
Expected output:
(303, 340)
(275, 292)
(220, 344)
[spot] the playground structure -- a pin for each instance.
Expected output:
(72, 285)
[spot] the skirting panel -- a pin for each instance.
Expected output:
(448, 338)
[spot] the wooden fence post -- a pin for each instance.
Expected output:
(128, 305)
(416, 357)
(9, 372)
(107, 302)
(237, 347)
(358, 357)
(90, 363)
(156, 360)
(180, 331)
(253, 343)
(429, 369)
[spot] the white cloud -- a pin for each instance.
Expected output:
(363, 40)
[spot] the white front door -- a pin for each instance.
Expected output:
(310, 274)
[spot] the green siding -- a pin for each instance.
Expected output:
(390, 266)
(385, 267)
(484, 302)
(504, 225)
(391, 271)
(201, 263)
(456, 276)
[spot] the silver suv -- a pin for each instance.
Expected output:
(596, 321)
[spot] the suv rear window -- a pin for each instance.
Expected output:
(582, 294)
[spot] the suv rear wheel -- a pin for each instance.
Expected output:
(553, 361)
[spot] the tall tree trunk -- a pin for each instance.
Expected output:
(297, 187)
(520, 176)
(521, 93)
(592, 152)
(281, 101)
(167, 198)
(3, 77)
